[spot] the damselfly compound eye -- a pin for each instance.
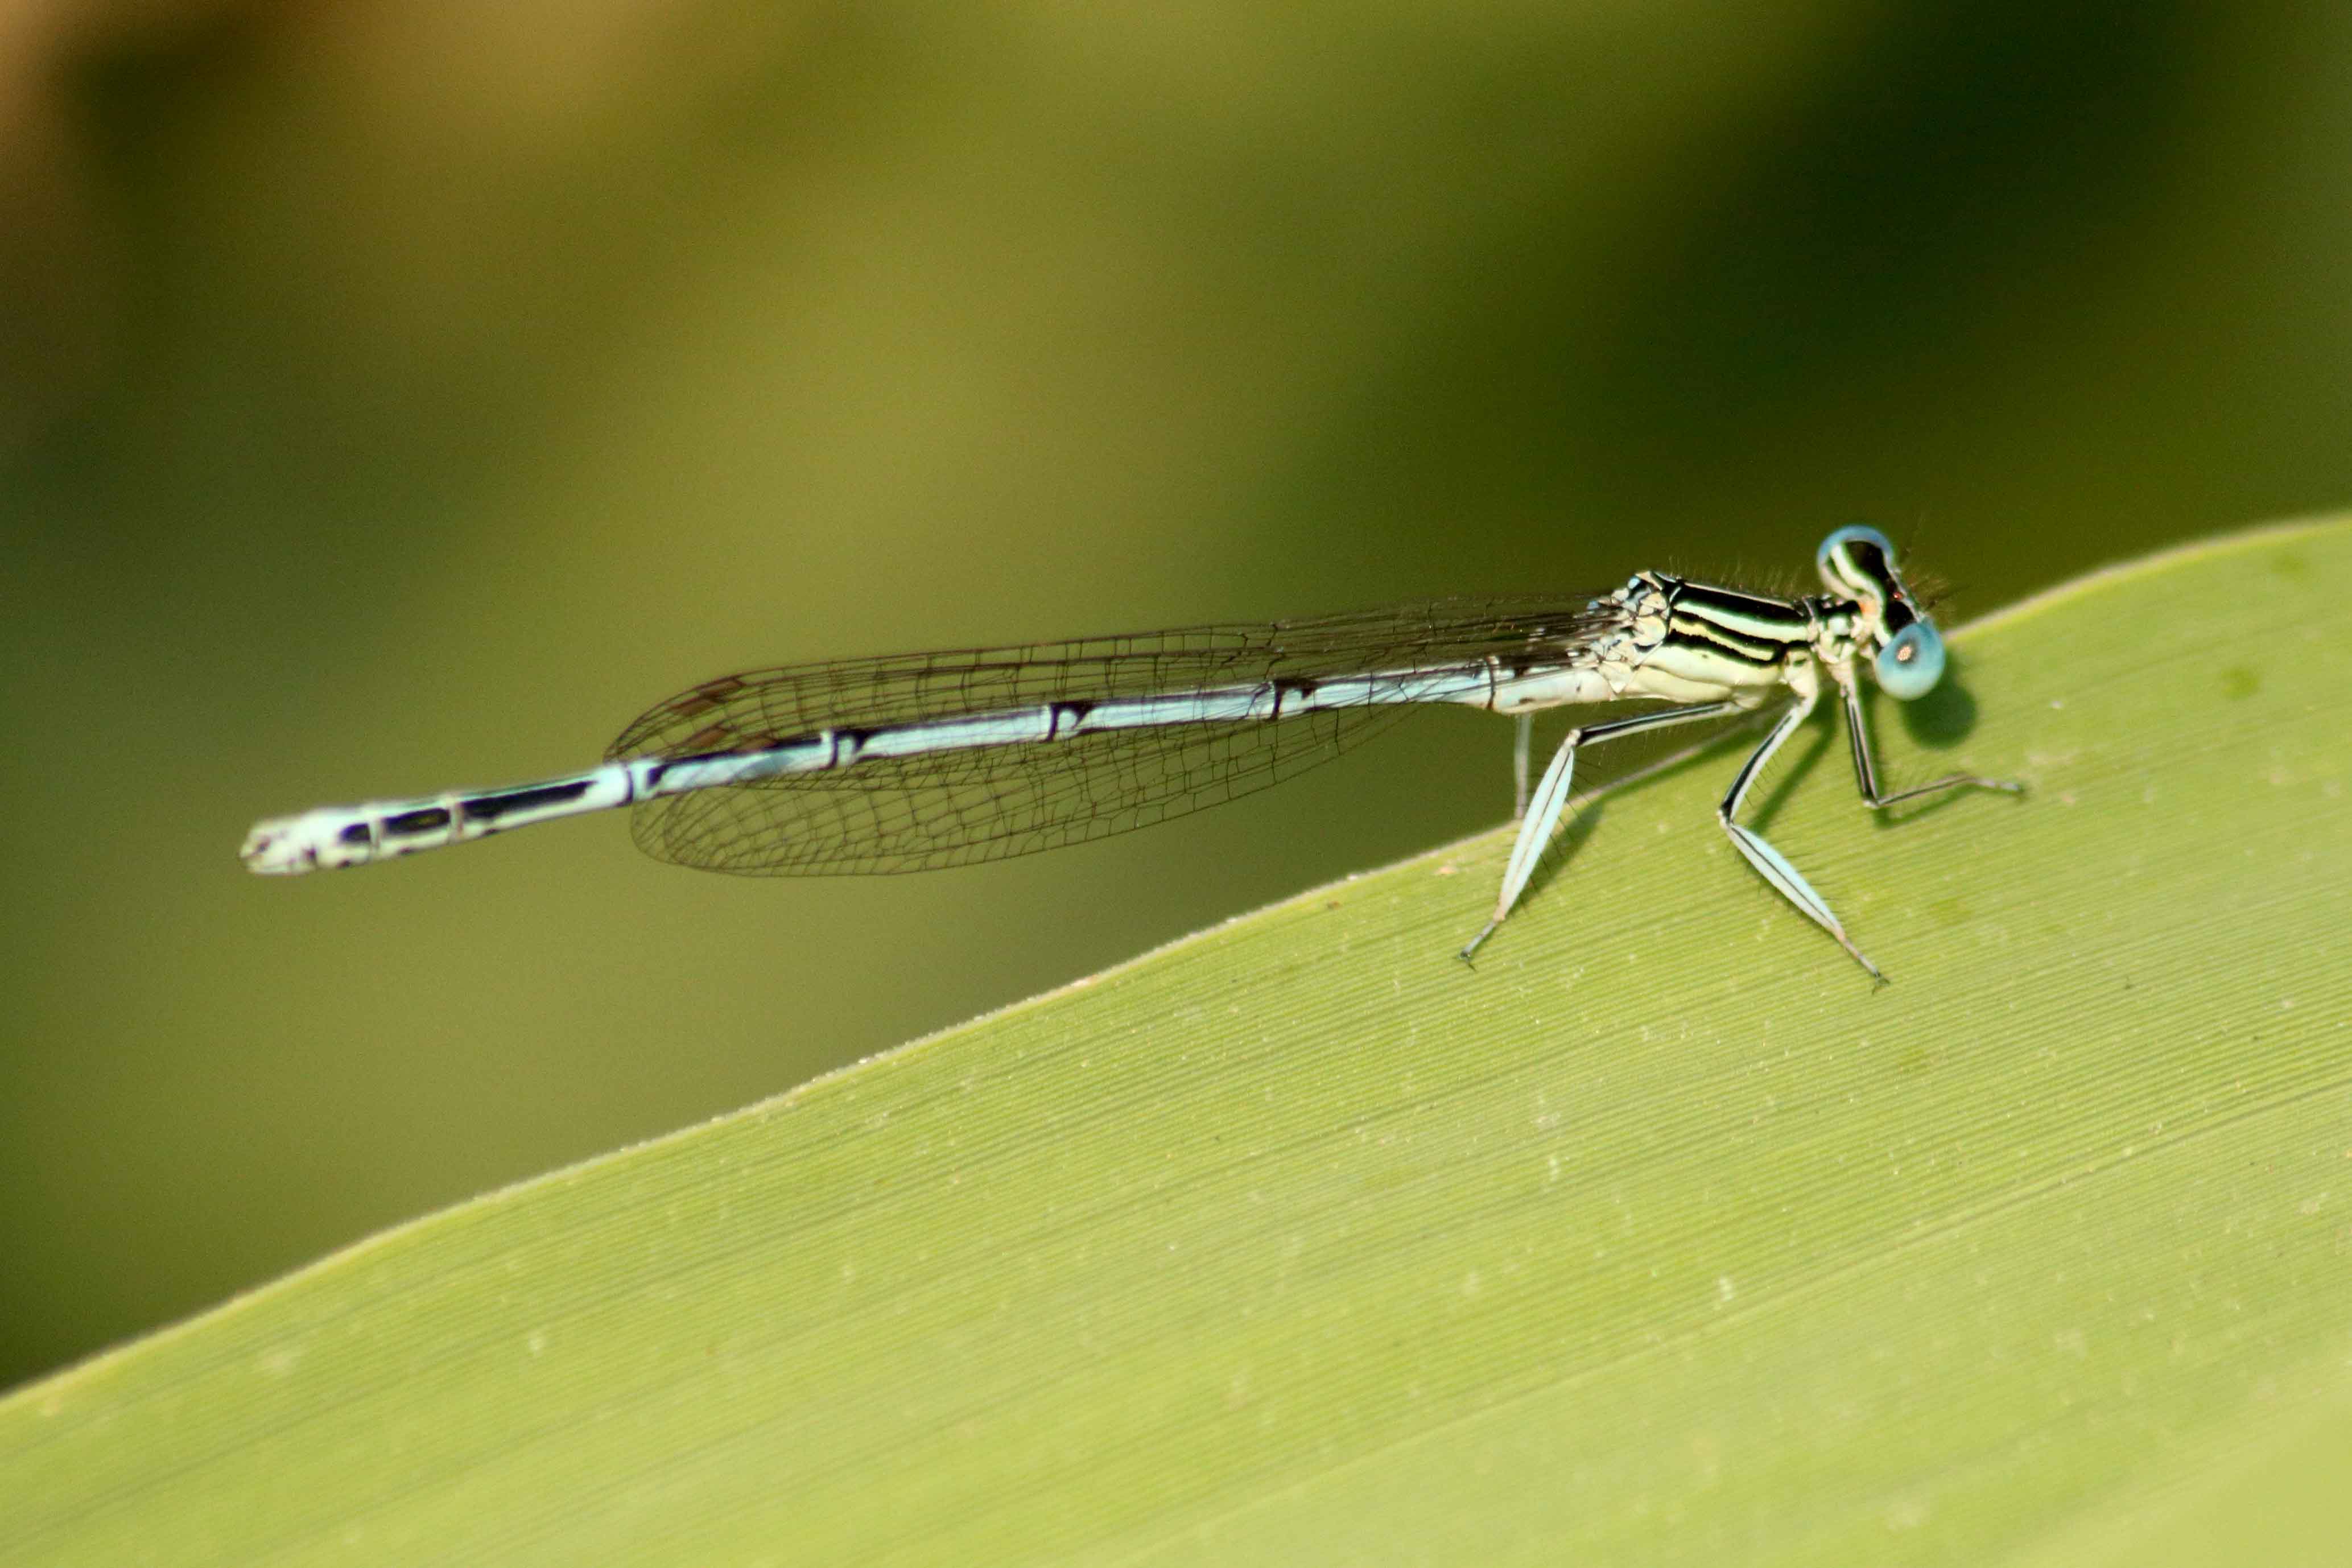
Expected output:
(1911, 662)
(1856, 560)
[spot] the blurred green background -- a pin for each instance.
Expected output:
(394, 397)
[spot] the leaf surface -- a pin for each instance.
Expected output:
(1662, 1237)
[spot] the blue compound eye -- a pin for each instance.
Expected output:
(1912, 661)
(1878, 555)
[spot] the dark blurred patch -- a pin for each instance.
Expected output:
(2291, 564)
(1966, 159)
(330, 325)
(1954, 179)
(1940, 720)
(74, 256)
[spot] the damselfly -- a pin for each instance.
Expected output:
(926, 759)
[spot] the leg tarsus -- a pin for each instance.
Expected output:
(1866, 771)
(1950, 781)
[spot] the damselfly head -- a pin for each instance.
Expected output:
(1858, 563)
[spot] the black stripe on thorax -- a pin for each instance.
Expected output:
(1750, 615)
(1746, 626)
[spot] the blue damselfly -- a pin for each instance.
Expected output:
(919, 761)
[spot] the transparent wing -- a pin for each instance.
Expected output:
(954, 807)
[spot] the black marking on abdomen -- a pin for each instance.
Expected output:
(490, 807)
(1293, 686)
(357, 833)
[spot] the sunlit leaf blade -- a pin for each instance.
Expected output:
(1661, 1237)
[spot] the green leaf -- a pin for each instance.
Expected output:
(1662, 1237)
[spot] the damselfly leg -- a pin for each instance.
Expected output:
(1552, 795)
(1774, 866)
(1522, 750)
(1542, 814)
(1866, 773)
